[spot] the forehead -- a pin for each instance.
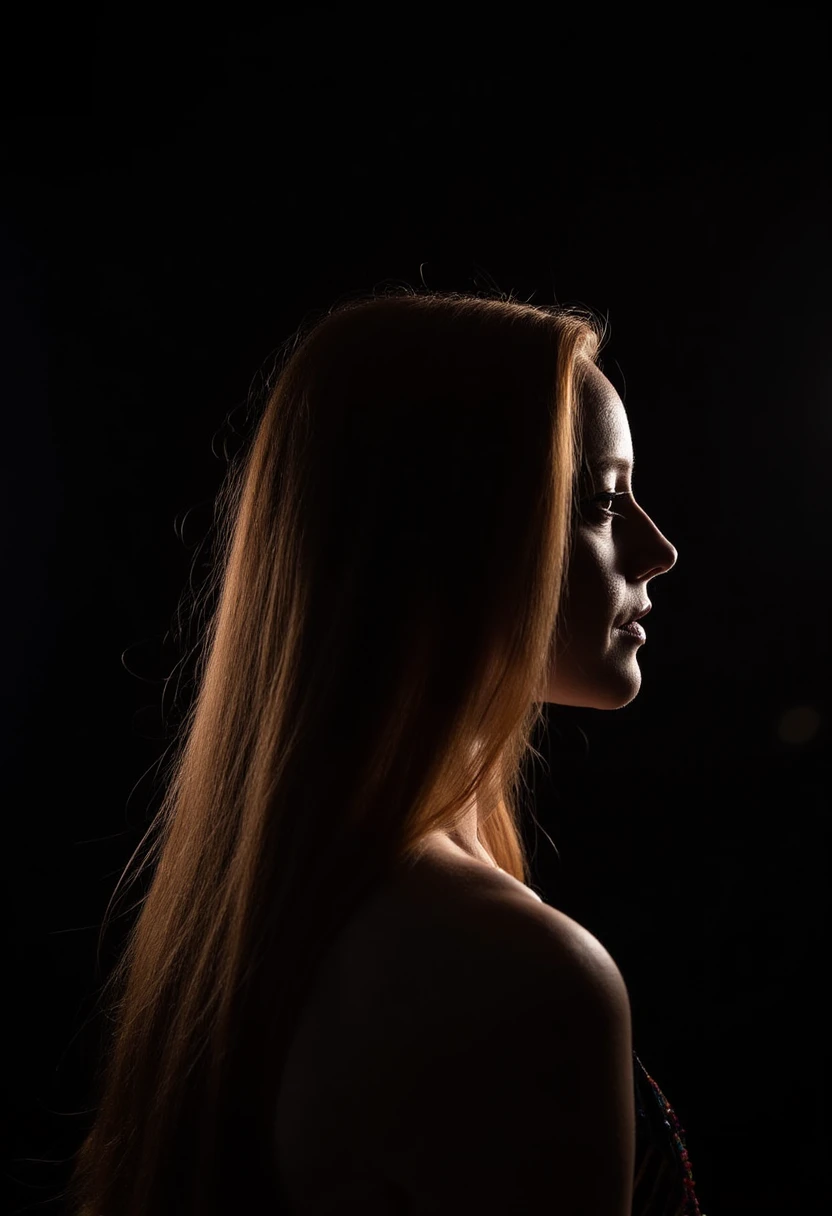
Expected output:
(605, 428)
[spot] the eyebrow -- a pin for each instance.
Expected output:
(612, 462)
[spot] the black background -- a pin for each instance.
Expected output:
(175, 201)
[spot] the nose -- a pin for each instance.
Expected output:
(655, 552)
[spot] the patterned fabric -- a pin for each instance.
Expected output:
(663, 1182)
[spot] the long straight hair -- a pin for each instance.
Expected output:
(392, 542)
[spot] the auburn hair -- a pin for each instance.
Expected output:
(392, 542)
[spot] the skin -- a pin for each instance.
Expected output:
(613, 560)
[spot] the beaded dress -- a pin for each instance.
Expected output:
(663, 1181)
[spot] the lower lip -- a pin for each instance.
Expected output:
(633, 630)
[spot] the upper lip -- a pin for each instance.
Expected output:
(638, 615)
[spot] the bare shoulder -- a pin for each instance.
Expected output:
(508, 1083)
(492, 955)
(492, 929)
(466, 1045)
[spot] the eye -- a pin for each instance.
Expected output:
(607, 496)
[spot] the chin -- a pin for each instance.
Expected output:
(603, 693)
(615, 700)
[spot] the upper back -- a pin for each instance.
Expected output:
(410, 1069)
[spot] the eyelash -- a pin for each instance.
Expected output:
(608, 494)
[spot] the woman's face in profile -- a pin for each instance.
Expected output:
(614, 557)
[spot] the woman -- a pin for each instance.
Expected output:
(325, 1001)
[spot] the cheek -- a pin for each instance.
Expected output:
(591, 586)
